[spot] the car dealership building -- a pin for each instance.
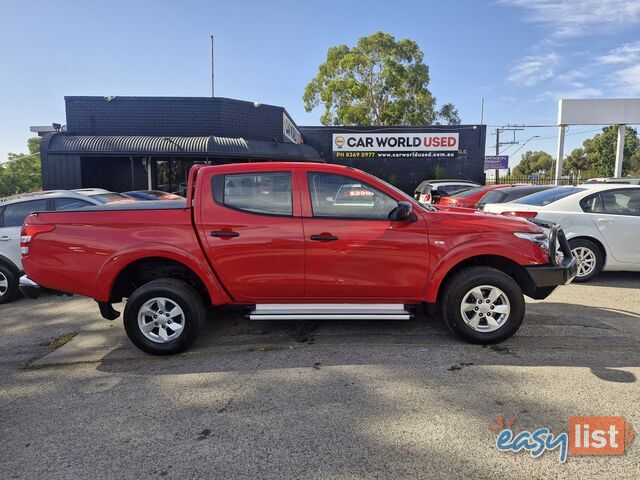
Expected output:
(132, 143)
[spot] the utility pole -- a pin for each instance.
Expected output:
(213, 91)
(497, 172)
(508, 128)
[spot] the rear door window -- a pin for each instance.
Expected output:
(268, 193)
(15, 213)
(621, 202)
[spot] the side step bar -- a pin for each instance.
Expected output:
(330, 311)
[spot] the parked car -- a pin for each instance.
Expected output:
(105, 196)
(153, 195)
(469, 198)
(509, 194)
(13, 211)
(600, 220)
(294, 241)
(624, 180)
(430, 191)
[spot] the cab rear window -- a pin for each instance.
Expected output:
(268, 193)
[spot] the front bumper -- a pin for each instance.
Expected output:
(562, 268)
(29, 288)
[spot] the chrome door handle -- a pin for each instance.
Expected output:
(605, 220)
(4, 239)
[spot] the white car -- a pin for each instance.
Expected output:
(13, 211)
(430, 191)
(601, 222)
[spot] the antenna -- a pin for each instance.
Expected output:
(213, 91)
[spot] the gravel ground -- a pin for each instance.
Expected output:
(321, 400)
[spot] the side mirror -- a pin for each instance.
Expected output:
(403, 212)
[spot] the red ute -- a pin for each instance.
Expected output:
(292, 241)
(469, 198)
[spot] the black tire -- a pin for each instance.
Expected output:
(590, 246)
(176, 292)
(11, 291)
(463, 282)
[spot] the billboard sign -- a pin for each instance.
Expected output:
(289, 130)
(395, 145)
(496, 162)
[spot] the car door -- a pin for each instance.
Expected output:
(616, 214)
(13, 216)
(250, 227)
(353, 251)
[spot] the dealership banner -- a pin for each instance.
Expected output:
(395, 145)
(496, 162)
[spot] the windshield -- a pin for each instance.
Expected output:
(112, 197)
(469, 193)
(545, 197)
(493, 196)
(407, 197)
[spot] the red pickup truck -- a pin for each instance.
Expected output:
(293, 241)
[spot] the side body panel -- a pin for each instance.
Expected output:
(87, 250)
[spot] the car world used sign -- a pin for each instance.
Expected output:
(388, 145)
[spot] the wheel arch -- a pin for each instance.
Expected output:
(139, 266)
(594, 240)
(9, 264)
(502, 263)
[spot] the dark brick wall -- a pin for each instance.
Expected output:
(409, 172)
(178, 116)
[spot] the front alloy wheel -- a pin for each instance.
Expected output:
(482, 304)
(485, 308)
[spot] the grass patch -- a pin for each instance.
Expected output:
(53, 344)
(59, 341)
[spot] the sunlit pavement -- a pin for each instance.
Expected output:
(315, 399)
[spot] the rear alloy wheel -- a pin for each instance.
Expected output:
(483, 305)
(8, 284)
(163, 317)
(589, 258)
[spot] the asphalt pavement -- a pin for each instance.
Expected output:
(315, 400)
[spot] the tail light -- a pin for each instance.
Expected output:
(29, 232)
(520, 214)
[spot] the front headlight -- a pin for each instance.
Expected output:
(539, 239)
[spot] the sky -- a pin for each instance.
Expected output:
(521, 56)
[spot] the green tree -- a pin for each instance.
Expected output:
(577, 161)
(21, 172)
(379, 81)
(601, 151)
(448, 115)
(534, 162)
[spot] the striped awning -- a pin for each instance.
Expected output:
(66, 144)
